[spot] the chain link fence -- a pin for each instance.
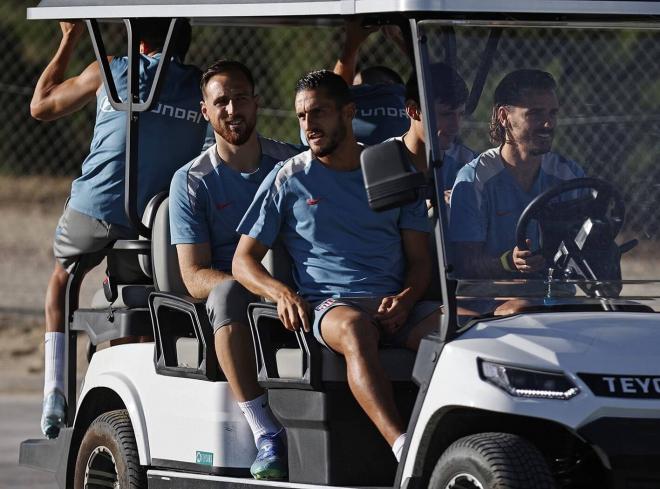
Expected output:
(608, 80)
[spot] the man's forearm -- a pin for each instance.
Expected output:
(52, 76)
(418, 277)
(200, 282)
(254, 277)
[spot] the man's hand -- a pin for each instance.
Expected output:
(525, 261)
(356, 34)
(393, 312)
(293, 311)
(72, 30)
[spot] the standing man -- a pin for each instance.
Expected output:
(448, 95)
(378, 91)
(94, 216)
(360, 274)
(491, 192)
(208, 198)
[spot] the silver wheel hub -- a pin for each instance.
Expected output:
(101, 470)
(464, 481)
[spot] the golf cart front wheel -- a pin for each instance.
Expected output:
(491, 461)
(108, 455)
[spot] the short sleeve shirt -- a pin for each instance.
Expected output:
(339, 246)
(456, 156)
(486, 200)
(208, 199)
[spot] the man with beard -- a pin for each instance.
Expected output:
(360, 274)
(491, 191)
(208, 198)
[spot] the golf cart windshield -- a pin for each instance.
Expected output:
(566, 165)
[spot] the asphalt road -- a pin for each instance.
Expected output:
(19, 420)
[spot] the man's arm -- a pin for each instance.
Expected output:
(475, 262)
(196, 271)
(54, 96)
(355, 36)
(394, 310)
(248, 270)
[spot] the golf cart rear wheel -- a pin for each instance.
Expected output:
(108, 455)
(491, 461)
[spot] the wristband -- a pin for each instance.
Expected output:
(504, 261)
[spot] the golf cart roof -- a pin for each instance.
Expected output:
(206, 9)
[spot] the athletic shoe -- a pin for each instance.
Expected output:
(53, 414)
(271, 461)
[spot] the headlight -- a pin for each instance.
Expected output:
(523, 382)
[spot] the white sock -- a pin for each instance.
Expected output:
(260, 417)
(397, 447)
(54, 363)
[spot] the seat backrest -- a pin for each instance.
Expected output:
(164, 259)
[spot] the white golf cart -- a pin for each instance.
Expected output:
(564, 393)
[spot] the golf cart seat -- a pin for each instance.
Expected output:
(120, 308)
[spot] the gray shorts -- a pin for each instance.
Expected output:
(79, 234)
(369, 305)
(227, 303)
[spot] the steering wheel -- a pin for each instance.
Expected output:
(558, 221)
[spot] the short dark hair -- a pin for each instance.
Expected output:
(223, 66)
(153, 31)
(380, 74)
(333, 85)
(447, 86)
(511, 91)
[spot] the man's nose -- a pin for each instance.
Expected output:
(229, 108)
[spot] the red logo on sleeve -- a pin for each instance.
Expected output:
(313, 201)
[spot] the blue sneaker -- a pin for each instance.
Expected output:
(272, 460)
(53, 414)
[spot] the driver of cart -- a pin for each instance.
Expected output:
(360, 274)
(208, 198)
(94, 216)
(448, 94)
(491, 191)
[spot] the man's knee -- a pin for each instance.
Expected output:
(356, 332)
(227, 304)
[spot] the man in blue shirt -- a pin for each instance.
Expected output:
(378, 92)
(94, 217)
(208, 198)
(491, 192)
(363, 273)
(448, 93)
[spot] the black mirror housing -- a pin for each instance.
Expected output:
(389, 178)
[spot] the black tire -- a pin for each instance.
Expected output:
(492, 461)
(108, 454)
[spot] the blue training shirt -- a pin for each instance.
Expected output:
(455, 157)
(339, 246)
(486, 200)
(170, 135)
(208, 199)
(380, 113)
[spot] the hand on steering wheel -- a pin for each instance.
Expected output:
(525, 261)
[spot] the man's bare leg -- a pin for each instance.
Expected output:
(233, 346)
(353, 334)
(54, 410)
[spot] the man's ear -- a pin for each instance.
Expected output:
(257, 100)
(202, 107)
(412, 109)
(502, 116)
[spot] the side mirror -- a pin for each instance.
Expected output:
(389, 178)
